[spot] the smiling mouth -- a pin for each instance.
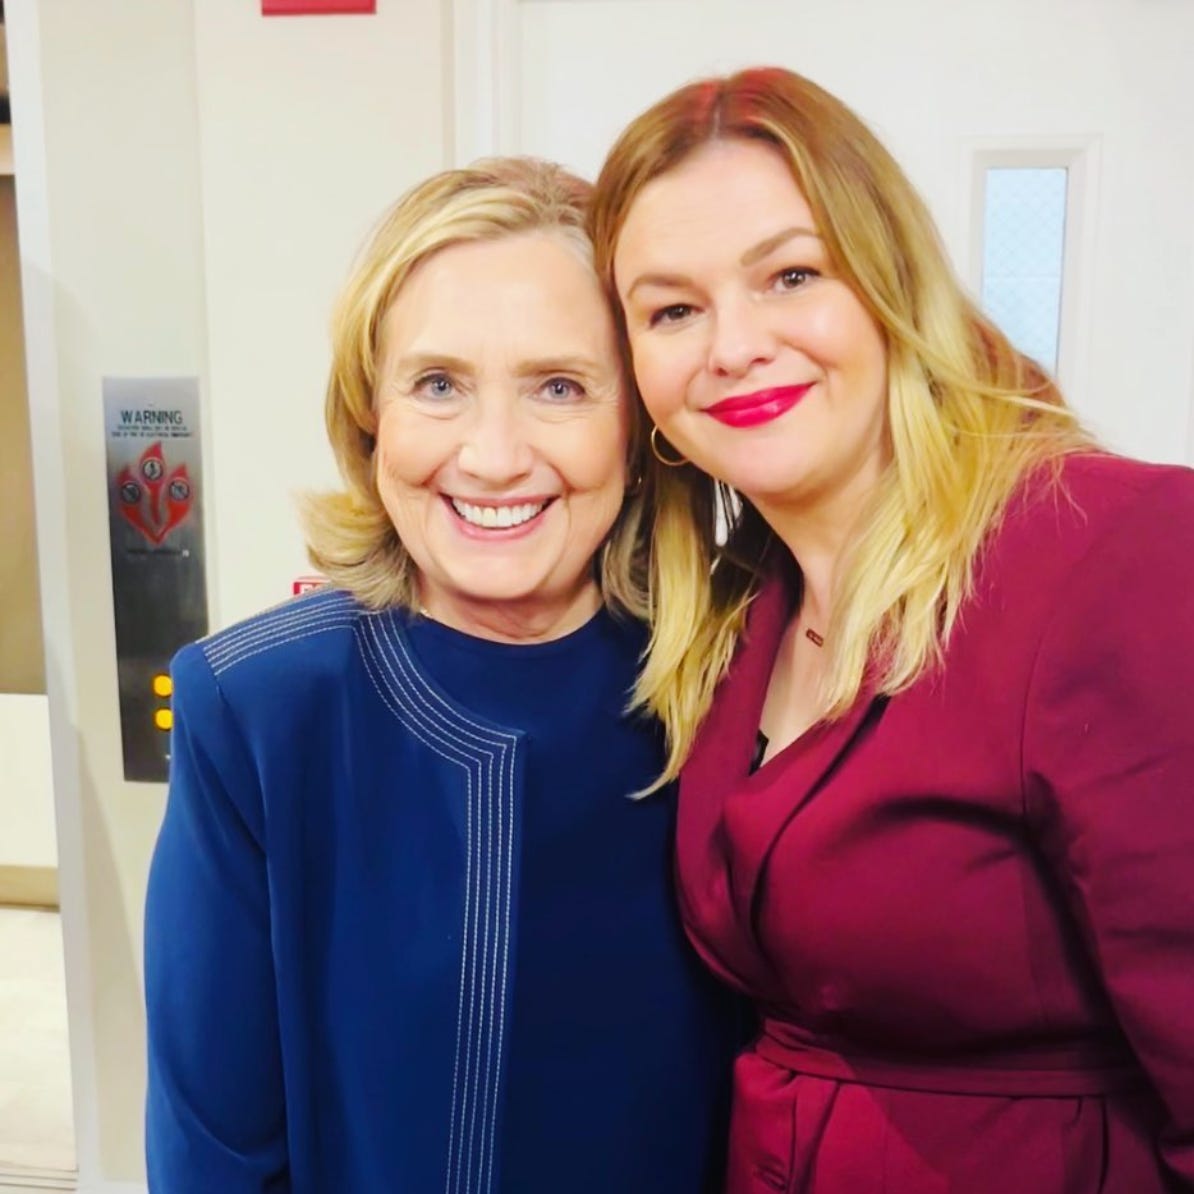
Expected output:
(762, 406)
(498, 518)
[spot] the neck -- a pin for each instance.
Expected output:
(818, 567)
(534, 619)
(818, 535)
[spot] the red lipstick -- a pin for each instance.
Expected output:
(752, 410)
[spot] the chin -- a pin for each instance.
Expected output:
(498, 590)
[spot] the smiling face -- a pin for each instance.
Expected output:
(502, 433)
(752, 357)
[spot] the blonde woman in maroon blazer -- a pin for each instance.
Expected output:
(937, 818)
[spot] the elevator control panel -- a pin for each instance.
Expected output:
(155, 529)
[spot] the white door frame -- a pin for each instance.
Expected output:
(485, 78)
(49, 488)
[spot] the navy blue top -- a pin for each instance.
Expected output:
(407, 932)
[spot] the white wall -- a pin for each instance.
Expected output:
(26, 797)
(308, 127)
(192, 179)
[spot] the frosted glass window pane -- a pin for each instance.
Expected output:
(1023, 252)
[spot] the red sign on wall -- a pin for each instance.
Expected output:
(305, 584)
(310, 8)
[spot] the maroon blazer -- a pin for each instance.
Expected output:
(966, 913)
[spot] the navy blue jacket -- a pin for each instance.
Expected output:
(407, 932)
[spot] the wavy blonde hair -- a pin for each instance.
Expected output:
(968, 416)
(350, 537)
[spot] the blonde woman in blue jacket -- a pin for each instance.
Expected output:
(406, 929)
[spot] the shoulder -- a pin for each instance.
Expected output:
(277, 652)
(1092, 507)
(1105, 551)
(1087, 545)
(1114, 660)
(1099, 489)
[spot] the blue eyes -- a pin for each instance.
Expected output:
(434, 385)
(439, 386)
(560, 389)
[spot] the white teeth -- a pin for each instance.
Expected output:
(497, 516)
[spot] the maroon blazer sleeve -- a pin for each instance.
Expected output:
(1108, 757)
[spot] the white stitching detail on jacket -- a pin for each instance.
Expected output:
(488, 758)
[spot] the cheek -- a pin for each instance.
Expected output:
(601, 471)
(852, 338)
(590, 454)
(406, 454)
(595, 500)
(657, 373)
(393, 472)
(872, 370)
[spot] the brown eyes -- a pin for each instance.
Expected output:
(785, 280)
(670, 314)
(794, 277)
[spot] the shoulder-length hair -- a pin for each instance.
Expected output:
(967, 414)
(350, 537)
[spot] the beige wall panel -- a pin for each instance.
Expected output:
(22, 668)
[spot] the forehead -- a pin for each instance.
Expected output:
(724, 197)
(529, 290)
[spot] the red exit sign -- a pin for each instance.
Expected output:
(310, 8)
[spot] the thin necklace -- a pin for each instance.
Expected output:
(818, 640)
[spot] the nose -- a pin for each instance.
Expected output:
(740, 340)
(495, 448)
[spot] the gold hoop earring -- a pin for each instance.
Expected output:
(665, 460)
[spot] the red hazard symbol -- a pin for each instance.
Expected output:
(153, 499)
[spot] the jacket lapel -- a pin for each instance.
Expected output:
(730, 819)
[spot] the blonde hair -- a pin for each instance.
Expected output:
(968, 415)
(350, 537)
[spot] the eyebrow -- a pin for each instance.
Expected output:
(564, 364)
(752, 255)
(764, 247)
(537, 367)
(420, 361)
